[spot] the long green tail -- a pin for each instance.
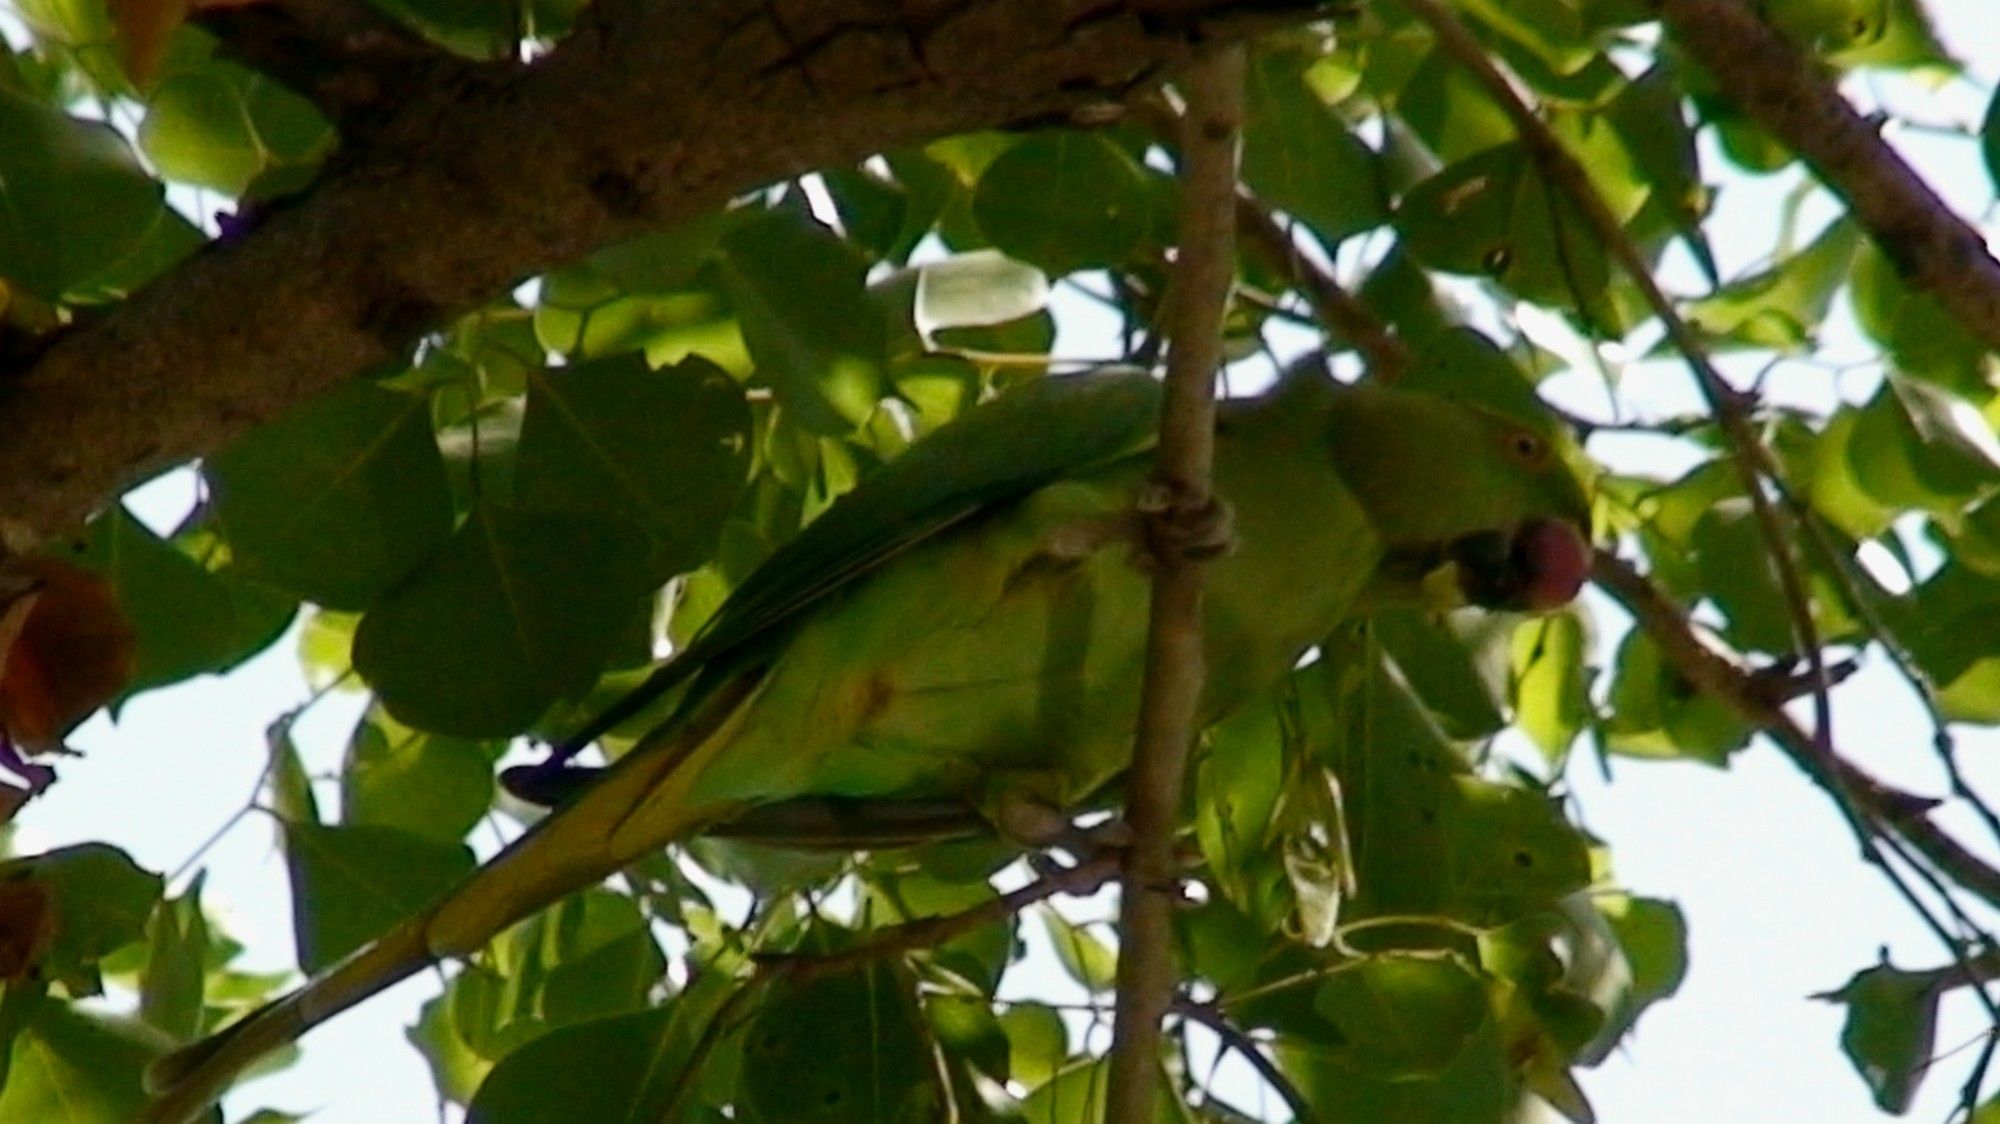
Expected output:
(635, 809)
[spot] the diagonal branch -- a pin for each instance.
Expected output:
(1336, 309)
(1086, 877)
(1564, 173)
(1792, 97)
(651, 111)
(1711, 670)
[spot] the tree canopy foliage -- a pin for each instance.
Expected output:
(507, 339)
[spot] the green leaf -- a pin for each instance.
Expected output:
(965, 1025)
(189, 619)
(1551, 699)
(221, 126)
(1442, 667)
(457, 1066)
(1653, 936)
(172, 985)
(1891, 1030)
(817, 337)
(1480, 1087)
(891, 214)
(1916, 445)
(1403, 1016)
(1300, 157)
(1451, 112)
(666, 449)
(1835, 488)
(338, 499)
(518, 610)
(1509, 853)
(1923, 338)
(1087, 959)
(629, 1067)
(979, 957)
(1076, 1095)
(426, 784)
(73, 201)
(1063, 200)
(1491, 215)
(590, 956)
(101, 900)
(73, 1067)
(1552, 30)
(352, 884)
(1037, 1042)
(1783, 307)
(851, 1047)
(597, 1070)
(1239, 776)
(1733, 559)
(1656, 713)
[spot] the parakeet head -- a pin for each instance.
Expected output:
(1499, 498)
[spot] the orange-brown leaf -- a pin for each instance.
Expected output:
(27, 925)
(68, 649)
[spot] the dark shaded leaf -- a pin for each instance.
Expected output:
(352, 884)
(337, 500)
(517, 611)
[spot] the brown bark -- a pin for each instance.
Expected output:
(1797, 101)
(649, 112)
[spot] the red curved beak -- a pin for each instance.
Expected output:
(1556, 563)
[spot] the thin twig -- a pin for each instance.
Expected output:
(1233, 1037)
(1857, 589)
(1203, 273)
(1337, 310)
(1710, 669)
(1086, 877)
(1334, 310)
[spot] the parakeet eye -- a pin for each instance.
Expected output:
(1527, 448)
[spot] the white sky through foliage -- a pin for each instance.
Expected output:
(1779, 904)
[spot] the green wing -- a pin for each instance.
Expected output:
(995, 454)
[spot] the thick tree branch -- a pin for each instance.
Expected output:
(648, 113)
(1790, 95)
(1204, 272)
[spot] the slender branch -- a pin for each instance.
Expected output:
(1086, 877)
(1859, 591)
(1203, 274)
(1854, 793)
(1710, 668)
(1792, 97)
(1336, 309)
(1747, 453)
(1211, 1016)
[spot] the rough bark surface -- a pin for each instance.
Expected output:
(652, 110)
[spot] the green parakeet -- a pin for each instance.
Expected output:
(968, 625)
